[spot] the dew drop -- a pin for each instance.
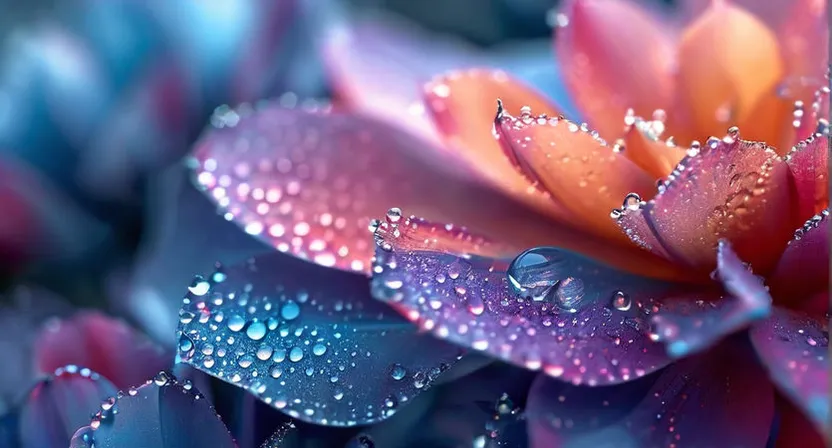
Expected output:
(236, 323)
(199, 286)
(398, 372)
(290, 310)
(319, 349)
(621, 301)
(256, 331)
(295, 354)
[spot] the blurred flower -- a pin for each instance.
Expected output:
(308, 179)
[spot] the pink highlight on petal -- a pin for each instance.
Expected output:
(103, 344)
(19, 228)
(803, 269)
(616, 57)
(804, 42)
(732, 189)
(808, 163)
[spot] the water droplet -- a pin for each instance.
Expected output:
(236, 323)
(394, 215)
(537, 274)
(621, 301)
(186, 347)
(199, 286)
(295, 354)
(161, 379)
(264, 352)
(290, 310)
(319, 349)
(256, 331)
(398, 372)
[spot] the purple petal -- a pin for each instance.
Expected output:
(721, 399)
(466, 299)
(277, 439)
(803, 269)
(307, 340)
(794, 349)
(58, 405)
(687, 326)
(162, 413)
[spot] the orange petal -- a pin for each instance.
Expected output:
(463, 104)
(579, 169)
(616, 57)
(728, 62)
(642, 144)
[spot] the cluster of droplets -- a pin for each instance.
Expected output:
(503, 419)
(801, 112)
(810, 224)
(267, 345)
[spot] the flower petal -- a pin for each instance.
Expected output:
(803, 269)
(466, 299)
(731, 189)
(794, 429)
(462, 105)
(307, 341)
(162, 413)
(380, 63)
(724, 392)
(642, 144)
(106, 345)
(813, 118)
(309, 182)
(728, 61)
(575, 166)
(606, 76)
(276, 440)
(808, 162)
(804, 41)
(794, 349)
(688, 326)
(59, 405)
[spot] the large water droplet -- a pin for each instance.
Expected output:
(536, 274)
(236, 323)
(290, 310)
(199, 286)
(398, 372)
(256, 331)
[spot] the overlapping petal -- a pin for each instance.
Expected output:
(60, 404)
(605, 74)
(307, 182)
(310, 343)
(595, 335)
(794, 349)
(808, 162)
(724, 392)
(106, 345)
(161, 413)
(803, 269)
(729, 188)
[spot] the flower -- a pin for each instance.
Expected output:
(597, 301)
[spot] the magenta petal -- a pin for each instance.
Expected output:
(308, 341)
(106, 345)
(687, 326)
(794, 349)
(803, 269)
(162, 413)
(808, 162)
(718, 400)
(59, 405)
(466, 299)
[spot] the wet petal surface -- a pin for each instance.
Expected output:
(309, 182)
(794, 349)
(729, 189)
(162, 413)
(809, 164)
(724, 392)
(803, 269)
(604, 73)
(307, 341)
(689, 325)
(59, 405)
(106, 345)
(590, 328)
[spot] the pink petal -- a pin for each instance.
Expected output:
(794, 429)
(813, 117)
(687, 325)
(804, 40)
(803, 269)
(379, 64)
(719, 399)
(105, 345)
(19, 227)
(770, 11)
(794, 348)
(466, 299)
(808, 162)
(612, 67)
(729, 189)
(308, 183)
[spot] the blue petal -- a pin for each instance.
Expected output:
(688, 326)
(162, 413)
(308, 340)
(722, 399)
(58, 405)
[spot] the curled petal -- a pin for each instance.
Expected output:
(591, 330)
(59, 405)
(688, 326)
(161, 413)
(729, 189)
(794, 348)
(307, 341)
(308, 182)
(728, 62)
(574, 165)
(643, 145)
(803, 269)
(106, 345)
(723, 391)
(462, 105)
(808, 163)
(604, 73)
